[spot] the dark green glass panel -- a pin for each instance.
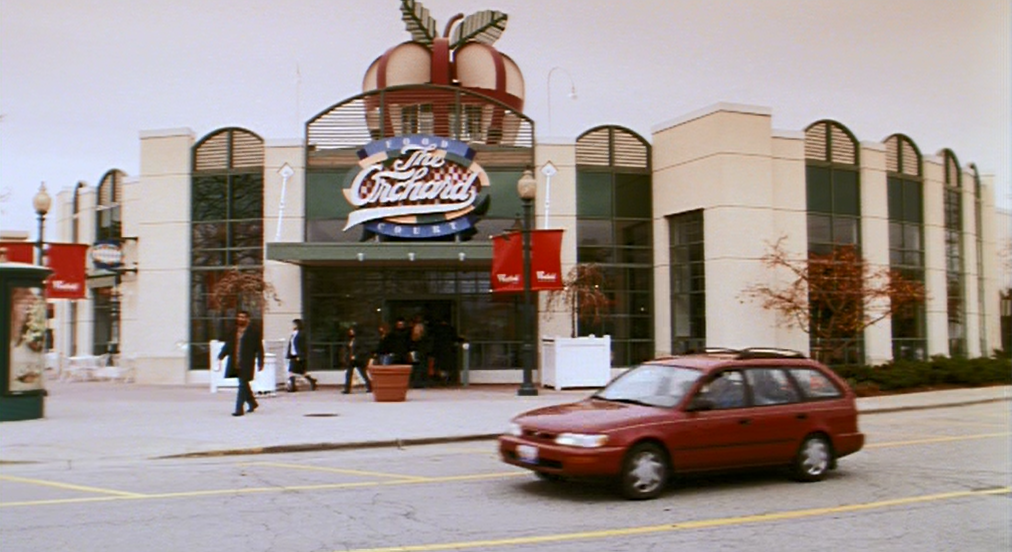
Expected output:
(634, 233)
(247, 196)
(913, 202)
(819, 189)
(593, 195)
(633, 196)
(846, 199)
(324, 195)
(895, 191)
(247, 233)
(209, 198)
(505, 203)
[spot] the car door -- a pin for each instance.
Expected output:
(778, 417)
(719, 437)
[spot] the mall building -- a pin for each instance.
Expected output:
(387, 205)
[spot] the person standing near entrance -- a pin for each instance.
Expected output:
(296, 355)
(244, 347)
(354, 360)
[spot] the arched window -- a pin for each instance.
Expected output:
(108, 221)
(978, 212)
(954, 267)
(227, 227)
(904, 177)
(108, 227)
(614, 230)
(833, 194)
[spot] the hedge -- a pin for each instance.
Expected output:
(940, 371)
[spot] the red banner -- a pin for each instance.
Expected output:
(508, 261)
(68, 263)
(19, 252)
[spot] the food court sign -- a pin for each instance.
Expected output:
(416, 186)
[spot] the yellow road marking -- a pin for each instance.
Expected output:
(936, 440)
(334, 470)
(59, 485)
(255, 490)
(398, 479)
(684, 526)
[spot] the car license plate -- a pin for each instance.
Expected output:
(527, 454)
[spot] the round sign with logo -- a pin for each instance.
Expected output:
(416, 186)
(107, 254)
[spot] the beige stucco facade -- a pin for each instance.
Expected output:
(727, 160)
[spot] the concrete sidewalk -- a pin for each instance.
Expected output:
(103, 421)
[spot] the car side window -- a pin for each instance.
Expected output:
(771, 386)
(814, 384)
(727, 390)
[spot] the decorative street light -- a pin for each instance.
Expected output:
(572, 92)
(527, 188)
(41, 202)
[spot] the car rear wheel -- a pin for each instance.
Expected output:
(644, 472)
(814, 459)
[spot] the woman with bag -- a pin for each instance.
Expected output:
(353, 360)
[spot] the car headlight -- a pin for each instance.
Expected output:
(515, 429)
(581, 440)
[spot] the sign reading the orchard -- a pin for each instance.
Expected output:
(416, 186)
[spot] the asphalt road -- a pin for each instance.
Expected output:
(927, 480)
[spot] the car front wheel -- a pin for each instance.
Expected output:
(814, 459)
(644, 472)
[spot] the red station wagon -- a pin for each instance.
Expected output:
(720, 410)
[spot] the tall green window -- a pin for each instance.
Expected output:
(978, 213)
(688, 282)
(108, 227)
(834, 211)
(614, 230)
(954, 264)
(227, 233)
(906, 240)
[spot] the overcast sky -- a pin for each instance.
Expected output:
(80, 79)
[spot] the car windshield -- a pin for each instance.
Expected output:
(651, 384)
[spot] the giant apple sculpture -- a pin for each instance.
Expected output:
(462, 57)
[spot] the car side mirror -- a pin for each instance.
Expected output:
(700, 403)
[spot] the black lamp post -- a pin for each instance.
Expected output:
(527, 188)
(41, 202)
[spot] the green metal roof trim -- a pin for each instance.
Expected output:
(387, 252)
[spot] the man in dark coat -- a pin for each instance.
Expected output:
(296, 355)
(395, 347)
(244, 347)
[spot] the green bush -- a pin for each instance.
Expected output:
(939, 371)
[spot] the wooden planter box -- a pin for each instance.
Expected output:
(390, 382)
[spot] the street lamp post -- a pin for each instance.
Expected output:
(41, 202)
(572, 92)
(527, 189)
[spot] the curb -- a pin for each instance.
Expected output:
(312, 447)
(400, 443)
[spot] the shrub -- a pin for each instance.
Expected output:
(914, 375)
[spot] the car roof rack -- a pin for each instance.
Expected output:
(747, 353)
(769, 352)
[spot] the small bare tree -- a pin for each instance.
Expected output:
(834, 297)
(582, 295)
(243, 290)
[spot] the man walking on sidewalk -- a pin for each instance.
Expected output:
(296, 355)
(244, 347)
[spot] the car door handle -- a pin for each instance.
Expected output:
(802, 416)
(744, 421)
